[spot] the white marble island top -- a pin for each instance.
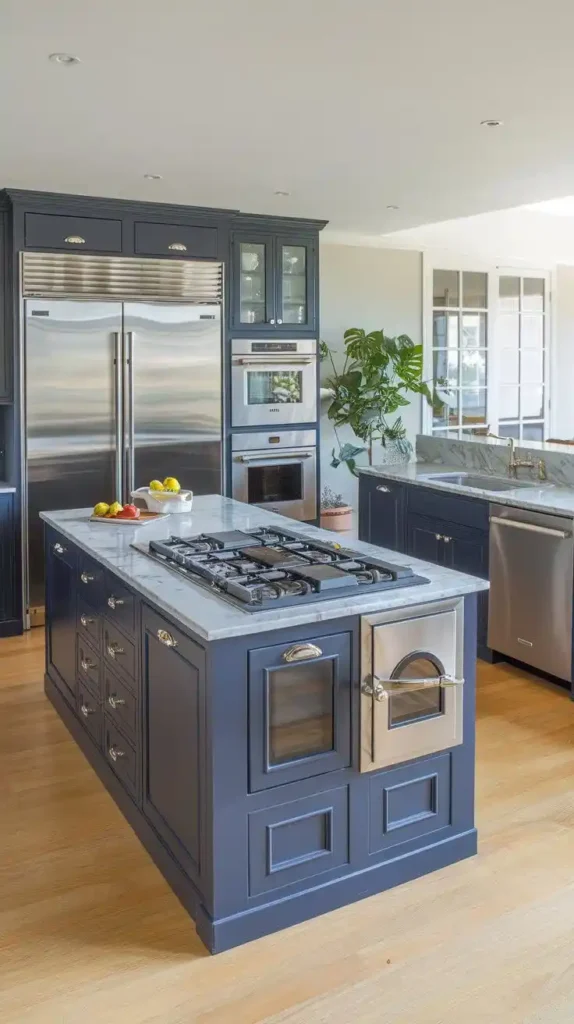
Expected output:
(213, 618)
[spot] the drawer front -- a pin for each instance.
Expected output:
(88, 665)
(176, 240)
(410, 802)
(121, 705)
(121, 757)
(90, 581)
(119, 652)
(120, 604)
(90, 714)
(449, 507)
(295, 841)
(89, 624)
(75, 234)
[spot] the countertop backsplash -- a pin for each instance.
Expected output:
(488, 455)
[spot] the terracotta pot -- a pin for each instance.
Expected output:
(338, 519)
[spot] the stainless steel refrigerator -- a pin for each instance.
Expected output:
(117, 394)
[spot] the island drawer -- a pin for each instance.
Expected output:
(90, 581)
(120, 704)
(121, 757)
(89, 623)
(120, 604)
(90, 713)
(177, 240)
(119, 652)
(75, 234)
(88, 665)
(451, 508)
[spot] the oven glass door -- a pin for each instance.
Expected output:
(284, 482)
(268, 484)
(279, 392)
(415, 703)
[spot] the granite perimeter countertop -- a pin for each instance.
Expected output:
(540, 497)
(211, 617)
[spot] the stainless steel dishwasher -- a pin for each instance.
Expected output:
(531, 581)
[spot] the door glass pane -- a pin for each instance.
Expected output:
(473, 330)
(445, 330)
(252, 283)
(509, 430)
(413, 704)
(508, 331)
(533, 432)
(473, 402)
(532, 405)
(301, 715)
(445, 288)
(283, 482)
(270, 387)
(473, 368)
(445, 409)
(294, 284)
(532, 332)
(533, 295)
(509, 366)
(508, 403)
(473, 290)
(509, 293)
(445, 365)
(532, 366)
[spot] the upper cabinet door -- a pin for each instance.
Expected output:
(253, 301)
(295, 283)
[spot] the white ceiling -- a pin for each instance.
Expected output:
(350, 105)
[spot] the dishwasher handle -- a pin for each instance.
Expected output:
(531, 527)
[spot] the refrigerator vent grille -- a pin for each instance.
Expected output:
(103, 277)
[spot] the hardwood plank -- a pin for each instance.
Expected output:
(90, 932)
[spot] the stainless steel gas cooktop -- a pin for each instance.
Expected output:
(267, 568)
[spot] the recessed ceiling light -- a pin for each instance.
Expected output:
(491, 123)
(153, 177)
(280, 192)
(64, 58)
(392, 206)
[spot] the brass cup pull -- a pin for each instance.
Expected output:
(115, 602)
(166, 638)
(86, 710)
(59, 548)
(86, 620)
(115, 753)
(177, 247)
(86, 577)
(87, 665)
(115, 702)
(301, 652)
(75, 240)
(114, 649)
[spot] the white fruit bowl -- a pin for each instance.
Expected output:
(164, 501)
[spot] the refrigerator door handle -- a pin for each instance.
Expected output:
(129, 411)
(118, 389)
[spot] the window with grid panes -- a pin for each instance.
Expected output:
(459, 341)
(521, 342)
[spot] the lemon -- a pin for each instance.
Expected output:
(101, 509)
(156, 485)
(171, 484)
(114, 508)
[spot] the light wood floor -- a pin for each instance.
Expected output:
(91, 934)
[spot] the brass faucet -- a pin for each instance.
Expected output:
(514, 463)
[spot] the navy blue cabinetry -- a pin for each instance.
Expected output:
(61, 614)
(382, 512)
(274, 282)
(10, 613)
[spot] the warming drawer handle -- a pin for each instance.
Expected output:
(381, 689)
(531, 527)
(301, 652)
(277, 455)
(166, 638)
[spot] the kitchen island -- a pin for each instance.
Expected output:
(275, 764)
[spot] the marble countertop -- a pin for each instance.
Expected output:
(211, 617)
(6, 488)
(541, 497)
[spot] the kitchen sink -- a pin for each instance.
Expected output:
(484, 483)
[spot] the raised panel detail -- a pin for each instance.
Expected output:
(78, 234)
(406, 803)
(295, 840)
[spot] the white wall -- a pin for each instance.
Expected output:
(373, 289)
(562, 369)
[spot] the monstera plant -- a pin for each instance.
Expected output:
(378, 377)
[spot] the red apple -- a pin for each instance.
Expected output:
(129, 512)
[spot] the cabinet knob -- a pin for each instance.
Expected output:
(438, 536)
(115, 602)
(302, 652)
(87, 665)
(166, 638)
(279, 321)
(86, 577)
(447, 540)
(86, 710)
(272, 321)
(114, 649)
(115, 702)
(86, 620)
(177, 247)
(75, 240)
(115, 753)
(59, 548)
(383, 489)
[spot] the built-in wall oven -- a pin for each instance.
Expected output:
(273, 382)
(276, 471)
(412, 686)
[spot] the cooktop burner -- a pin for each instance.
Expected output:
(267, 567)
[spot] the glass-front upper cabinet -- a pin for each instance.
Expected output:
(273, 283)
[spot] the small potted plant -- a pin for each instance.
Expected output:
(335, 513)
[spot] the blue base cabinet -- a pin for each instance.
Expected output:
(10, 604)
(237, 762)
(382, 512)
